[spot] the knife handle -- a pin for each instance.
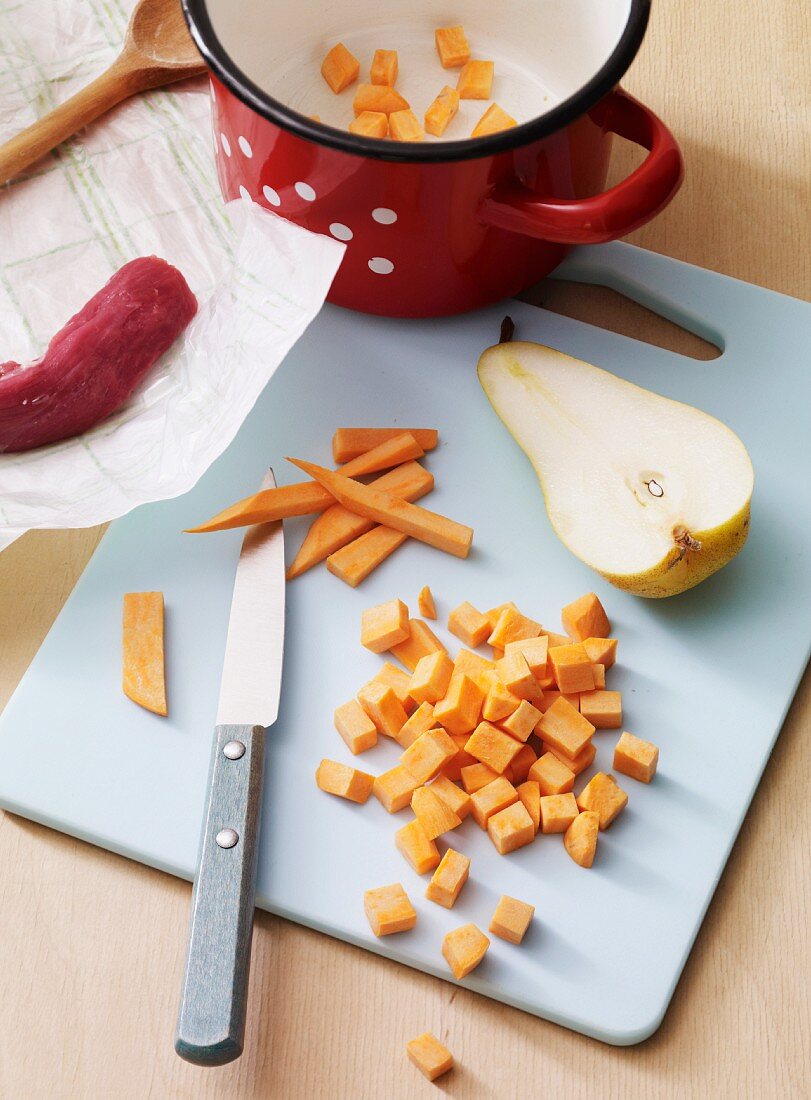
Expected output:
(211, 1020)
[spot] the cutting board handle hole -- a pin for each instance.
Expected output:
(609, 309)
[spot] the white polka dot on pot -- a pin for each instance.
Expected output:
(380, 265)
(304, 191)
(245, 146)
(384, 216)
(226, 145)
(341, 232)
(272, 196)
(245, 193)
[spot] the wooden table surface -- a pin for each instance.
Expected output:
(91, 945)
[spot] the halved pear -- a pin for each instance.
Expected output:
(652, 494)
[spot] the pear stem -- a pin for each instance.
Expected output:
(685, 539)
(507, 330)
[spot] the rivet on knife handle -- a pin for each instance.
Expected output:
(211, 1022)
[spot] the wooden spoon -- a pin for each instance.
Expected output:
(157, 50)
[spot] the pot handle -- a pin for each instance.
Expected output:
(615, 212)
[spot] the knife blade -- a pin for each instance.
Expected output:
(211, 1019)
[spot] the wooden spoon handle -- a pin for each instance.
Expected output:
(119, 82)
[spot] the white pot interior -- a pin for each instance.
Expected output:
(544, 50)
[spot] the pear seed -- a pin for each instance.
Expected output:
(655, 489)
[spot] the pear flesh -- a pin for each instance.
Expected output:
(651, 493)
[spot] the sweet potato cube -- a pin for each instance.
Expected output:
(636, 758)
(552, 775)
(602, 708)
(340, 68)
(599, 676)
(500, 702)
(384, 626)
(602, 651)
(453, 769)
(493, 121)
(513, 671)
(430, 1057)
(430, 679)
(522, 762)
(464, 948)
(429, 754)
(393, 789)
(475, 667)
(420, 722)
(355, 726)
(421, 640)
(383, 707)
(435, 816)
(571, 667)
(511, 919)
(511, 828)
(580, 839)
(558, 811)
(388, 910)
(551, 696)
(425, 603)
(475, 776)
(530, 795)
(535, 652)
(384, 68)
(522, 721)
(405, 126)
(441, 113)
(452, 47)
(491, 799)
(492, 746)
(576, 764)
(416, 847)
(494, 613)
(343, 781)
(564, 727)
(512, 626)
(398, 681)
(468, 624)
(602, 795)
(448, 879)
(453, 796)
(373, 124)
(475, 80)
(379, 98)
(459, 711)
(585, 618)
(143, 678)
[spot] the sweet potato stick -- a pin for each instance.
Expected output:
(143, 678)
(307, 496)
(348, 443)
(355, 561)
(338, 526)
(391, 511)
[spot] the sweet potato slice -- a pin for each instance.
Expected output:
(391, 511)
(349, 443)
(354, 562)
(143, 677)
(425, 603)
(308, 496)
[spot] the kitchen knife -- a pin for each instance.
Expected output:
(211, 1021)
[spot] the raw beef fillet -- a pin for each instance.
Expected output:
(95, 362)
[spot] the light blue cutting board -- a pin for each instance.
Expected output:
(708, 676)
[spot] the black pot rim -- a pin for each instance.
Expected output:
(577, 104)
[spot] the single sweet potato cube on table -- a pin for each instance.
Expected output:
(469, 625)
(511, 828)
(530, 795)
(475, 80)
(430, 1057)
(602, 708)
(373, 124)
(535, 652)
(384, 68)
(420, 722)
(343, 781)
(384, 626)
(492, 746)
(448, 879)
(378, 98)
(564, 727)
(558, 811)
(426, 757)
(421, 641)
(340, 68)
(511, 626)
(388, 910)
(580, 839)
(576, 764)
(416, 847)
(452, 46)
(602, 795)
(602, 651)
(493, 121)
(383, 707)
(477, 668)
(425, 603)
(522, 721)
(571, 667)
(511, 919)
(398, 680)
(491, 799)
(430, 679)
(405, 126)
(355, 726)
(435, 816)
(393, 789)
(464, 948)
(585, 618)
(552, 775)
(453, 796)
(441, 113)
(459, 711)
(522, 762)
(636, 758)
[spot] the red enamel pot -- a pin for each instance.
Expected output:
(449, 224)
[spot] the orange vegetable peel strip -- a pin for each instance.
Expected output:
(143, 678)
